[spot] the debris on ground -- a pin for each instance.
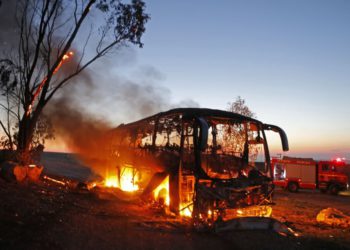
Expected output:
(333, 217)
(108, 218)
(255, 223)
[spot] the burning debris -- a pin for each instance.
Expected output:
(63, 183)
(69, 184)
(255, 223)
(76, 216)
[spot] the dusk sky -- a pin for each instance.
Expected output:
(290, 61)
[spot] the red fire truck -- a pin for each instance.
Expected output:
(294, 173)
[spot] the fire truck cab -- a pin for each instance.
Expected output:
(331, 176)
(305, 173)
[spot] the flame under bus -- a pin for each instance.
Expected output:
(208, 164)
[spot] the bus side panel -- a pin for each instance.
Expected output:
(174, 191)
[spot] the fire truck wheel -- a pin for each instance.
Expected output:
(333, 189)
(323, 191)
(293, 187)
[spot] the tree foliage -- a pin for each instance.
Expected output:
(37, 67)
(240, 107)
(235, 134)
(9, 102)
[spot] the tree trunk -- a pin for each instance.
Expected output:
(25, 136)
(24, 139)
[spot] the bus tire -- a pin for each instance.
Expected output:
(293, 187)
(333, 189)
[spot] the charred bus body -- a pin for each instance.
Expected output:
(217, 162)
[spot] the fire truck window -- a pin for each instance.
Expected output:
(279, 172)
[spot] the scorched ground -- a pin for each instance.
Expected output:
(50, 216)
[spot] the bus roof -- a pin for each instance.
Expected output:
(196, 112)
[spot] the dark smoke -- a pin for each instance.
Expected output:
(8, 25)
(82, 133)
(98, 99)
(83, 114)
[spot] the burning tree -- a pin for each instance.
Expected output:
(47, 32)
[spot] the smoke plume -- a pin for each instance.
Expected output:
(8, 25)
(83, 114)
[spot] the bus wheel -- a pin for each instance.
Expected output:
(333, 189)
(293, 187)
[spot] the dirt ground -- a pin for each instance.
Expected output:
(49, 216)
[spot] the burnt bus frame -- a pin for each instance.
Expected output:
(198, 115)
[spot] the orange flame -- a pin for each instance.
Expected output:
(162, 192)
(127, 182)
(186, 210)
(40, 87)
(112, 181)
(64, 58)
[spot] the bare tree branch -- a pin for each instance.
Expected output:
(48, 30)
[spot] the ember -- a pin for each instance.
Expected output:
(54, 180)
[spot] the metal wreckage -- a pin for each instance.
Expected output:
(210, 165)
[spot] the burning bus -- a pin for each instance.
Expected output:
(203, 163)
